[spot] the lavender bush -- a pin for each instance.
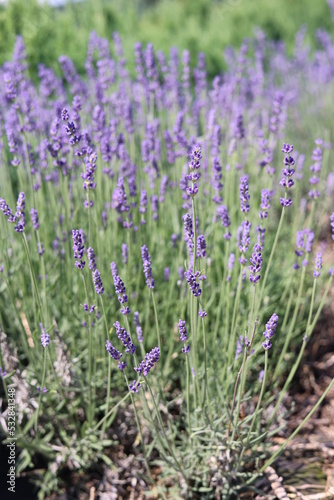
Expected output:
(177, 211)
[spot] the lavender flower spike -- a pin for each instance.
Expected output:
(98, 282)
(148, 362)
(147, 267)
(288, 172)
(256, 261)
(139, 330)
(244, 194)
(124, 337)
(114, 353)
(120, 290)
(45, 337)
(318, 265)
(78, 248)
(270, 331)
(183, 331)
(34, 218)
(20, 214)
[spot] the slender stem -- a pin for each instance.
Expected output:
(170, 449)
(41, 391)
(109, 376)
(273, 248)
(243, 371)
(90, 356)
(188, 396)
(292, 324)
(205, 395)
(234, 322)
(244, 448)
(157, 321)
(32, 274)
(139, 429)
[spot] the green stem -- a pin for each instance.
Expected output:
(273, 248)
(41, 390)
(32, 274)
(292, 324)
(109, 376)
(244, 448)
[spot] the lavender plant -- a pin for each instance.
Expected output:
(185, 219)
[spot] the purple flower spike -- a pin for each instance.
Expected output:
(45, 337)
(98, 282)
(201, 246)
(194, 175)
(230, 265)
(332, 226)
(256, 261)
(270, 331)
(265, 203)
(7, 211)
(288, 172)
(147, 267)
(34, 218)
(191, 280)
(91, 259)
(114, 353)
(318, 265)
(20, 214)
(139, 330)
(120, 290)
(134, 386)
(244, 194)
(78, 248)
(148, 362)
(124, 337)
(124, 253)
(183, 331)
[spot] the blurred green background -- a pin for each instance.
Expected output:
(198, 25)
